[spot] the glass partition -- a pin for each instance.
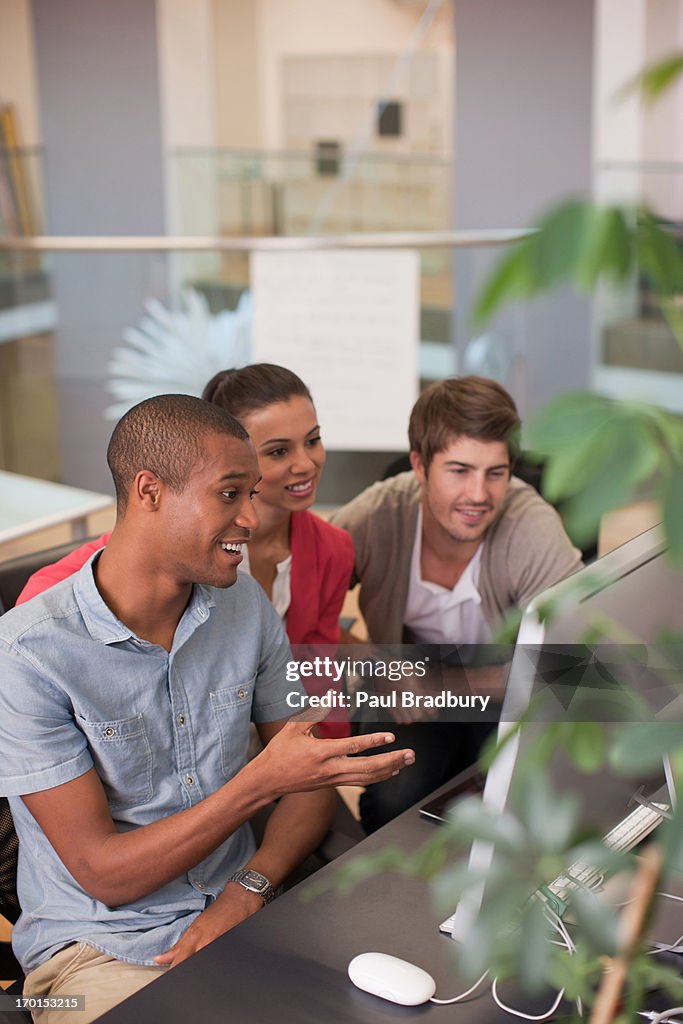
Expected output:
(258, 192)
(636, 352)
(147, 320)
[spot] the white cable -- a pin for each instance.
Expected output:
(558, 924)
(670, 896)
(567, 943)
(518, 1013)
(463, 995)
(663, 1017)
(668, 947)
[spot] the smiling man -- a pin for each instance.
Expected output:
(126, 693)
(444, 551)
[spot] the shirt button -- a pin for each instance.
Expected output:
(110, 731)
(201, 885)
(181, 719)
(241, 694)
(189, 779)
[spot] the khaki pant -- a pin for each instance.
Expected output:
(80, 970)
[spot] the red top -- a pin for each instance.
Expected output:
(322, 561)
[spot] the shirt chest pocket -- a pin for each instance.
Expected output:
(123, 759)
(231, 710)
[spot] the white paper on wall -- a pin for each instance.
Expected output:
(347, 322)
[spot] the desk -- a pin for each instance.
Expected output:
(28, 505)
(287, 964)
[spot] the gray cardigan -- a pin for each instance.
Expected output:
(525, 550)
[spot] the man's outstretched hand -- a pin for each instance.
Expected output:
(300, 761)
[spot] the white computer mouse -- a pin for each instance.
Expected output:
(391, 978)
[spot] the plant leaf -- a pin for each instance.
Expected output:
(574, 241)
(510, 279)
(555, 427)
(640, 746)
(609, 249)
(659, 255)
(597, 920)
(672, 509)
(549, 817)
(624, 456)
(556, 248)
(534, 946)
(655, 79)
(586, 746)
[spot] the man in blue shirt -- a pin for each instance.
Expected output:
(126, 693)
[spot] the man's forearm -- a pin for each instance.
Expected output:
(297, 826)
(121, 867)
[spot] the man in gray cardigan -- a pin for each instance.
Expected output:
(443, 551)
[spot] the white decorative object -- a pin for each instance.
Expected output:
(348, 323)
(177, 351)
(486, 356)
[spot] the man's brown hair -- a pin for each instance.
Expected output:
(474, 407)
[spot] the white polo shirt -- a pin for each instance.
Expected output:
(436, 615)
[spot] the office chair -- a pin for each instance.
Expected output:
(9, 902)
(15, 573)
(9, 909)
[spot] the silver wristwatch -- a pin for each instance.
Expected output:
(254, 881)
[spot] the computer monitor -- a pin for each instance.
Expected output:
(631, 595)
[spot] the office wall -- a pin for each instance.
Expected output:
(98, 79)
(301, 28)
(237, 74)
(523, 105)
(662, 135)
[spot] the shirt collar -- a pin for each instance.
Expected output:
(465, 589)
(100, 620)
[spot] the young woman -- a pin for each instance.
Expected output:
(302, 562)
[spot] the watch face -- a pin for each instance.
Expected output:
(255, 880)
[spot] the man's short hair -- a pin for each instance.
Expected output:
(474, 407)
(165, 435)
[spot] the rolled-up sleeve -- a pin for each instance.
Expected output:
(40, 744)
(275, 664)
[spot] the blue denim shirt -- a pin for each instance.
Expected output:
(162, 729)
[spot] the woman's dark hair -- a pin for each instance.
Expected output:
(253, 387)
